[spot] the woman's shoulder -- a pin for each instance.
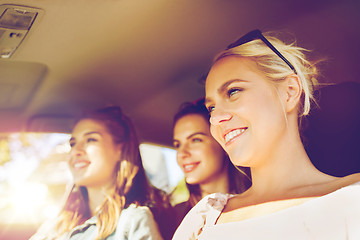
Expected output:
(137, 222)
(330, 185)
(350, 180)
(134, 211)
(45, 231)
(205, 212)
(209, 207)
(134, 215)
(212, 202)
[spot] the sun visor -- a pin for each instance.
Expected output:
(50, 123)
(18, 82)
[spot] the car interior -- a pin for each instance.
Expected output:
(60, 58)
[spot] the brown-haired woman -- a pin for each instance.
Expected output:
(111, 197)
(206, 165)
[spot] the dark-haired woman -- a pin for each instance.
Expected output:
(206, 165)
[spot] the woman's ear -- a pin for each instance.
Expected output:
(293, 92)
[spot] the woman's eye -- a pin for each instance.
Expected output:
(210, 109)
(91, 140)
(231, 92)
(195, 140)
(72, 144)
(176, 145)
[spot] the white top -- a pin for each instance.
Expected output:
(332, 216)
(135, 223)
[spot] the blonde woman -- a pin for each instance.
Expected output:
(111, 198)
(257, 91)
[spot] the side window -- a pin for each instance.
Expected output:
(163, 171)
(34, 175)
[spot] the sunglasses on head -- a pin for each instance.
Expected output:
(256, 34)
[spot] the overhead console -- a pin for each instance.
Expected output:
(15, 23)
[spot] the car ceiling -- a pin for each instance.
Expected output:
(149, 56)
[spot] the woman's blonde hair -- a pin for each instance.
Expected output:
(275, 69)
(131, 184)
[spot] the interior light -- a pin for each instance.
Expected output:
(17, 19)
(15, 23)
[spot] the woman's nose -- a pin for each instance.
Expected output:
(77, 149)
(183, 151)
(219, 116)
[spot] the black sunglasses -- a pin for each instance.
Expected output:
(256, 34)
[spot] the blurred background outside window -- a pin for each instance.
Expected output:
(34, 177)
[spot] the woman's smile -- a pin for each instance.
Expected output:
(93, 154)
(232, 135)
(243, 104)
(80, 164)
(198, 154)
(190, 167)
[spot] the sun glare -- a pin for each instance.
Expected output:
(35, 175)
(27, 198)
(28, 192)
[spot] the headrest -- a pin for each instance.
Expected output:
(332, 132)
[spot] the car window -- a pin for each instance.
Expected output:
(34, 174)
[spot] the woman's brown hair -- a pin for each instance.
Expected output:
(131, 185)
(239, 177)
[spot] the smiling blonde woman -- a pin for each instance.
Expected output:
(257, 91)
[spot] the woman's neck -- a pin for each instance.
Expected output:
(219, 184)
(96, 198)
(285, 172)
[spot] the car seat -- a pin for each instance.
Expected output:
(331, 134)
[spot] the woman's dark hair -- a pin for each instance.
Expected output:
(195, 107)
(239, 177)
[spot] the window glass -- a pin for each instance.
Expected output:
(34, 175)
(161, 166)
